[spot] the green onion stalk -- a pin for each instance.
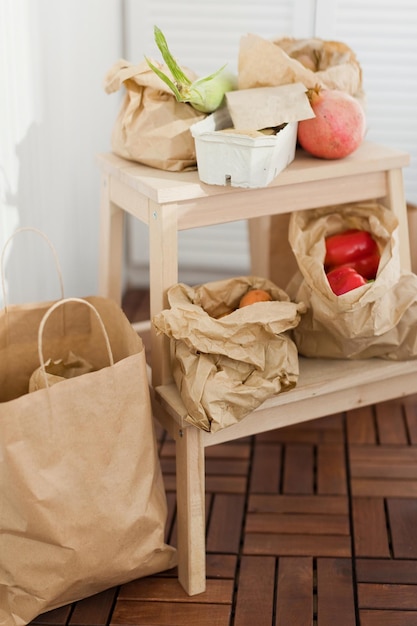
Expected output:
(204, 94)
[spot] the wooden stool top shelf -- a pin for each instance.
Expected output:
(360, 176)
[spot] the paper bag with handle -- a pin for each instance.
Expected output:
(83, 503)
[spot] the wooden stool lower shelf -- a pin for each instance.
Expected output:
(325, 387)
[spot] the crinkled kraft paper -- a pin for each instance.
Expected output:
(263, 63)
(152, 127)
(378, 319)
(58, 370)
(224, 368)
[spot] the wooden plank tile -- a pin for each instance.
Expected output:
(297, 523)
(388, 618)
(294, 603)
(410, 411)
(360, 424)
(402, 514)
(266, 468)
(57, 617)
(331, 469)
(330, 422)
(386, 571)
(255, 594)
(313, 504)
(225, 524)
(94, 610)
(227, 467)
(226, 484)
(159, 589)
(171, 513)
(335, 596)
(168, 465)
(399, 461)
(302, 435)
(170, 614)
(390, 423)
(383, 454)
(229, 450)
(297, 545)
(221, 565)
(298, 469)
(384, 487)
(387, 596)
(370, 527)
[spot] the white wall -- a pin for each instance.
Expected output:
(55, 117)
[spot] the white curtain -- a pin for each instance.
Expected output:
(55, 117)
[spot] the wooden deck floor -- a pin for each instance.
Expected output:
(314, 524)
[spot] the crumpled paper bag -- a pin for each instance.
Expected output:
(224, 368)
(57, 370)
(378, 319)
(332, 65)
(152, 127)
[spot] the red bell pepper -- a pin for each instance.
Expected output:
(366, 266)
(349, 246)
(343, 279)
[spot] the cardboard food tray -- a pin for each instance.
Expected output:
(242, 159)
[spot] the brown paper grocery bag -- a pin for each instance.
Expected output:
(227, 361)
(314, 61)
(152, 127)
(378, 319)
(83, 505)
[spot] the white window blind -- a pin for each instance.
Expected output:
(384, 36)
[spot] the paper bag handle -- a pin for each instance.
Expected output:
(45, 318)
(3, 252)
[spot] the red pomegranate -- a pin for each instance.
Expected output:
(338, 128)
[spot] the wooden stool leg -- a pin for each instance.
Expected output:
(396, 201)
(191, 511)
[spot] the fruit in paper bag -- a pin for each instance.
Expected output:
(353, 248)
(254, 295)
(343, 279)
(338, 127)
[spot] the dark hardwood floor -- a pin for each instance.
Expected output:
(314, 524)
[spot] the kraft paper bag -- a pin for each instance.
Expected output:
(314, 61)
(227, 361)
(83, 505)
(378, 319)
(152, 127)
(55, 371)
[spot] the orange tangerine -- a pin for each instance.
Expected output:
(254, 295)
